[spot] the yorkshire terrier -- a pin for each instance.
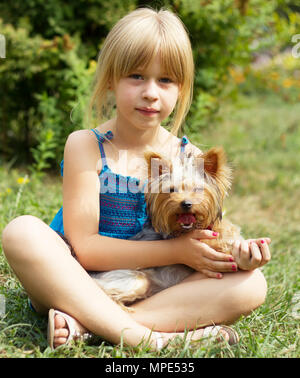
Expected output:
(181, 196)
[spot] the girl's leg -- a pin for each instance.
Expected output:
(200, 301)
(54, 279)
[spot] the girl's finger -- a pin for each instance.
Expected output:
(211, 274)
(256, 255)
(219, 266)
(265, 252)
(204, 234)
(267, 240)
(212, 254)
(236, 250)
(244, 252)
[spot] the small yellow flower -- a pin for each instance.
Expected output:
(23, 180)
(92, 66)
(287, 83)
(274, 75)
(8, 190)
(237, 75)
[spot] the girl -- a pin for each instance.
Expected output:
(146, 69)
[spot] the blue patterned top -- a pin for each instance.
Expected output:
(122, 202)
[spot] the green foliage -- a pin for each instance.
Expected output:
(41, 81)
(47, 72)
(223, 35)
(52, 50)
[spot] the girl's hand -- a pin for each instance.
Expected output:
(191, 251)
(252, 253)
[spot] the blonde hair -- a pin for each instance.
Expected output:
(134, 42)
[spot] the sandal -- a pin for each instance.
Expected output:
(74, 333)
(159, 340)
(213, 331)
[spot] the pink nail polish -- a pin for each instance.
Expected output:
(215, 234)
(262, 241)
(231, 259)
(233, 267)
(219, 275)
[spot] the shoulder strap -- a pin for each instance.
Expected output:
(101, 139)
(184, 142)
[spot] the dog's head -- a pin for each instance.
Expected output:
(186, 193)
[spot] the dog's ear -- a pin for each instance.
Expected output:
(157, 165)
(214, 164)
(214, 160)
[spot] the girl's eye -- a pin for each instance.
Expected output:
(136, 76)
(165, 80)
(172, 189)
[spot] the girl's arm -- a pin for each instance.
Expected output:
(81, 209)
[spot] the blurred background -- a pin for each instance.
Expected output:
(240, 46)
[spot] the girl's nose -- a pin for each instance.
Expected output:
(150, 91)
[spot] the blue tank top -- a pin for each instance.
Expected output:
(122, 201)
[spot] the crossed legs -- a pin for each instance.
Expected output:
(54, 279)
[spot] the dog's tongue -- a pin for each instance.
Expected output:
(186, 218)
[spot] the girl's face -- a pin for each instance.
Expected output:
(145, 97)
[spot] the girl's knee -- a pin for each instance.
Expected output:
(258, 287)
(18, 233)
(249, 293)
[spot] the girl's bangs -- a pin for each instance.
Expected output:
(141, 53)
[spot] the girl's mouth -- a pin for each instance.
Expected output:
(148, 112)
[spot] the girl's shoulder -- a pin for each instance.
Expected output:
(194, 150)
(174, 144)
(79, 140)
(82, 149)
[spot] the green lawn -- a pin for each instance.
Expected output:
(262, 138)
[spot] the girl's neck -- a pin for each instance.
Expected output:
(132, 138)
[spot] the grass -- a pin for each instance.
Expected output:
(262, 138)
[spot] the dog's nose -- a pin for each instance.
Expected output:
(186, 204)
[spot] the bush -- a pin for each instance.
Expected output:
(51, 55)
(227, 34)
(47, 73)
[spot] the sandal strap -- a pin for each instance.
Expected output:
(213, 331)
(73, 331)
(159, 340)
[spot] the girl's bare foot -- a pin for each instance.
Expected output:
(61, 332)
(62, 328)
